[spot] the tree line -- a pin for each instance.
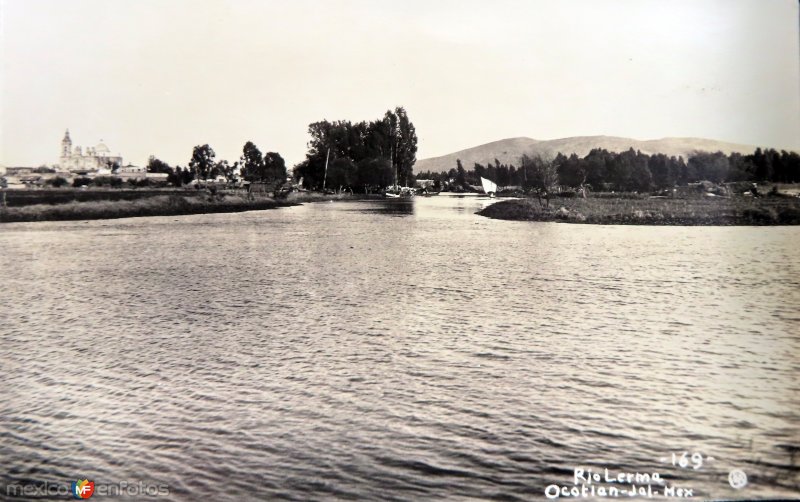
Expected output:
(626, 171)
(362, 155)
(252, 166)
(358, 156)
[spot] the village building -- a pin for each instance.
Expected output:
(77, 163)
(87, 161)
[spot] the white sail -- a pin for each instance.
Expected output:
(489, 186)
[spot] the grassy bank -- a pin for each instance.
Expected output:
(155, 204)
(18, 198)
(160, 205)
(778, 210)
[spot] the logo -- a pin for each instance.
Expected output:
(82, 489)
(737, 478)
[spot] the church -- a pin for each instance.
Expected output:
(90, 160)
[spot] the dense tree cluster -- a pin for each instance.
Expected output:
(252, 166)
(629, 171)
(458, 178)
(360, 155)
(177, 176)
(255, 167)
(341, 154)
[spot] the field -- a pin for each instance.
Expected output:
(17, 198)
(700, 210)
(48, 205)
(159, 205)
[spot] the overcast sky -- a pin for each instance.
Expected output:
(158, 77)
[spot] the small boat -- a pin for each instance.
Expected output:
(394, 192)
(407, 192)
(489, 186)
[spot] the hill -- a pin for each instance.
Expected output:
(509, 151)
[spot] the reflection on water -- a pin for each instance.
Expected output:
(400, 206)
(396, 348)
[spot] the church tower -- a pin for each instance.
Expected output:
(66, 149)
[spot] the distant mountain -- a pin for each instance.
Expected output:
(509, 151)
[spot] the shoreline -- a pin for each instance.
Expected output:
(157, 205)
(701, 211)
(695, 211)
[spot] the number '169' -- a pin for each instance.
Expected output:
(684, 460)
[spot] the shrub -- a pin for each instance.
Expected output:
(789, 216)
(760, 215)
(57, 182)
(81, 182)
(111, 181)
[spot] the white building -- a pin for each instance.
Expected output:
(88, 161)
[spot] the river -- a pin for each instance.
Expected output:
(395, 350)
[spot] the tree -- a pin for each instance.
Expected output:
(597, 162)
(274, 168)
(155, 165)
(571, 170)
(461, 176)
(202, 163)
(222, 168)
(619, 168)
(112, 166)
(342, 173)
(542, 175)
(739, 168)
(324, 143)
(183, 176)
(477, 168)
(366, 145)
(713, 167)
(57, 182)
(762, 162)
(374, 172)
(661, 171)
(641, 180)
(252, 162)
(405, 146)
(792, 167)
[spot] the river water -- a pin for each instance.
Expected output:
(396, 350)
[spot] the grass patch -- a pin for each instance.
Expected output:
(16, 198)
(149, 203)
(160, 205)
(654, 211)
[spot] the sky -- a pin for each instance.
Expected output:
(157, 77)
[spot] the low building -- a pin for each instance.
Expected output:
(131, 172)
(18, 171)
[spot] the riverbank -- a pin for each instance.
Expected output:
(772, 210)
(153, 203)
(160, 205)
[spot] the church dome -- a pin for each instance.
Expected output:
(101, 148)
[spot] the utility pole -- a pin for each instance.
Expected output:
(325, 178)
